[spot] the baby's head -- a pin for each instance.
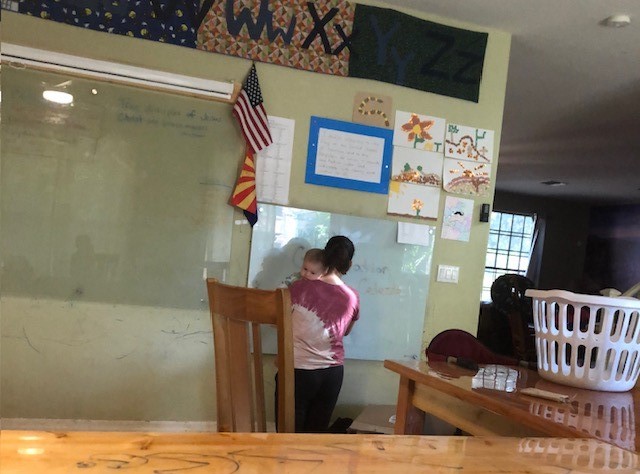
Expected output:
(312, 266)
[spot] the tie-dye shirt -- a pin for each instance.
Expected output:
(322, 312)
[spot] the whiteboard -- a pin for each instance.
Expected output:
(392, 278)
(118, 198)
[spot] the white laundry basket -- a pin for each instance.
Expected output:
(587, 341)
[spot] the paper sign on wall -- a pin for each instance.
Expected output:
(416, 234)
(468, 143)
(465, 177)
(456, 221)
(420, 132)
(273, 164)
(373, 109)
(417, 167)
(349, 155)
(414, 200)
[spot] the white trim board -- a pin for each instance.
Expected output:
(116, 72)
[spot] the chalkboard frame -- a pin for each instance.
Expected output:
(311, 177)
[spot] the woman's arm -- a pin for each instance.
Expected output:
(353, 321)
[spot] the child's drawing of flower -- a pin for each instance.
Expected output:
(417, 206)
(417, 130)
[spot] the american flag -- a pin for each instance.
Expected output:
(253, 121)
(251, 114)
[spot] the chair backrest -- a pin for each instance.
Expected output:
(508, 296)
(237, 314)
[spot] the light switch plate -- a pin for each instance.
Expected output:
(448, 273)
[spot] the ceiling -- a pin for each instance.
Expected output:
(572, 110)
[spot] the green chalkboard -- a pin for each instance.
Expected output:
(120, 197)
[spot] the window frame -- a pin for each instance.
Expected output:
(504, 234)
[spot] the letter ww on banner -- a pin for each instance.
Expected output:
(304, 35)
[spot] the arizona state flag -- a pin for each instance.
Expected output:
(252, 118)
(244, 194)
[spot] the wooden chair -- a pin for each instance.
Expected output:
(508, 296)
(237, 314)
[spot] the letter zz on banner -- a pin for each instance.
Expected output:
(390, 46)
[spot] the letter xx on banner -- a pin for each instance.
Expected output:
(304, 35)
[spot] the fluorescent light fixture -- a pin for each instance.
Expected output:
(553, 182)
(119, 73)
(58, 97)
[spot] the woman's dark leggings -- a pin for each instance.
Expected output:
(317, 392)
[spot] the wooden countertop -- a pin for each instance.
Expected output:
(33, 452)
(608, 416)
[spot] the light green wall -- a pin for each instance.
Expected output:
(152, 385)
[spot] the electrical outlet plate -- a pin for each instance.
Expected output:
(448, 273)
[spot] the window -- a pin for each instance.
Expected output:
(508, 249)
(11, 5)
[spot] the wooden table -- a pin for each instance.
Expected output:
(25, 452)
(489, 403)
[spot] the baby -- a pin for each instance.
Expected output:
(312, 267)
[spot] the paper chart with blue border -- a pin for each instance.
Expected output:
(349, 155)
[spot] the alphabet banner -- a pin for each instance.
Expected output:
(305, 35)
(325, 36)
(401, 49)
(167, 21)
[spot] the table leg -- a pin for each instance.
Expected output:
(409, 419)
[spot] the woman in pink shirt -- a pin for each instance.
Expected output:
(324, 311)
